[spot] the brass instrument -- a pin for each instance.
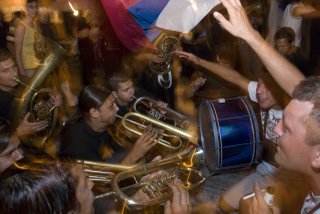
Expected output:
(147, 106)
(100, 172)
(152, 179)
(32, 98)
(165, 45)
(156, 185)
(169, 136)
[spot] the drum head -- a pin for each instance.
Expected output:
(229, 133)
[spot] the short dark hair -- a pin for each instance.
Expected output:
(30, 1)
(308, 90)
(5, 134)
(285, 33)
(116, 78)
(48, 190)
(5, 54)
(92, 97)
(227, 51)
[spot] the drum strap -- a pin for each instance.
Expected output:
(269, 148)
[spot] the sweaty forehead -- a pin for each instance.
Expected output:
(298, 110)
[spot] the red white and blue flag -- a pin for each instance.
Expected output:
(138, 22)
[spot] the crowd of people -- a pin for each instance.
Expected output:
(286, 89)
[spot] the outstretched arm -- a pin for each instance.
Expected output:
(286, 74)
(224, 72)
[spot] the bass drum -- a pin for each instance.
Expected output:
(229, 134)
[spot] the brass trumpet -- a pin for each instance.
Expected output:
(169, 136)
(148, 106)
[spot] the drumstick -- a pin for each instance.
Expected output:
(251, 195)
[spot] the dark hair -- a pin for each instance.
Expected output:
(308, 90)
(45, 191)
(30, 1)
(5, 134)
(5, 54)
(227, 52)
(285, 33)
(116, 78)
(92, 97)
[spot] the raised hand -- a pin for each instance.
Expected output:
(188, 56)
(238, 23)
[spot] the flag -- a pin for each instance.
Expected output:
(137, 23)
(134, 21)
(183, 15)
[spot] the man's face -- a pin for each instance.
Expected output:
(108, 110)
(283, 46)
(265, 99)
(8, 71)
(125, 93)
(11, 154)
(293, 153)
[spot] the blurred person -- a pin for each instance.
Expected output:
(293, 15)
(8, 90)
(50, 189)
(124, 90)
(205, 86)
(270, 99)
(29, 44)
(4, 29)
(9, 146)
(17, 16)
(87, 137)
(285, 44)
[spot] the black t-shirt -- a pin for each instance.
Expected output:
(79, 141)
(6, 100)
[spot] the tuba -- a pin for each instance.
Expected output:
(165, 45)
(35, 100)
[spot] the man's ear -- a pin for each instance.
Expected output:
(94, 112)
(316, 157)
(115, 94)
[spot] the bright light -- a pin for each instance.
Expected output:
(75, 12)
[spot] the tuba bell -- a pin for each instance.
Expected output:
(35, 100)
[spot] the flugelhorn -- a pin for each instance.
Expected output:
(101, 172)
(157, 187)
(169, 136)
(148, 106)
